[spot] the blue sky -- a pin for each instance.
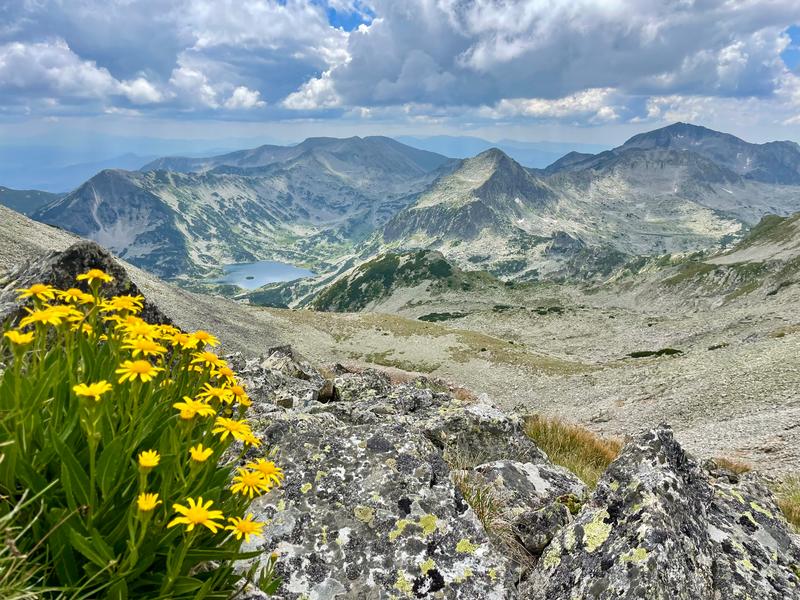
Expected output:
(281, 70)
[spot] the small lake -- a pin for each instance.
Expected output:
(253, 275)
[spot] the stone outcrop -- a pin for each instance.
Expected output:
(59, 270)
(659, 527)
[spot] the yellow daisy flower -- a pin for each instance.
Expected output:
(129, 370)
(240, 395)
(93, 275)
(197, 513)
(19, 338)
(147, 502)
(92, 390)
(71, 295)
(249, 438)
(191, 407)
(39, 291)
(145, 346)
(184, 340)
(249, 483)
(238, 429)
(200, 454)
(224, 373)
(222, 394)
(205, 338)
(244, 527)
(149, 459)
(208, 359)
(131, 304)
(271, 472)
(48, 316)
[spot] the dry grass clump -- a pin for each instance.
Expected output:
(788, 493)
(576, 448)
(731, 464)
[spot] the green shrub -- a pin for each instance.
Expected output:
(118, 427)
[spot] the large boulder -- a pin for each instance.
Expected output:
(476, 430)
(59, 269)
(659, 527)
(368, 511)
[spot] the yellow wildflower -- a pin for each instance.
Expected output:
(131, 304)
(144, 346)
(222, 394)
(71, 295)
(19, 338)
(139, 329)
(205, 338)
(197, 513)
(244, 527)
(129, 370)
(184, 340)
(147, 502)
(39, 291)
(224, 372)
(271, 472)
(200, 454)
(248, 483)
(238, 429)
(149, 459)
(191, 407)
(249, 438)
(92, 390)
(208, 359)
(93, 275)
(43, 315)
(240, 395)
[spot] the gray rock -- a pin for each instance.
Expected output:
(368, 511)
(535, 529)
(59, 269)
(528, 486)
(658, 527)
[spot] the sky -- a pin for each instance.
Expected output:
(228, 72)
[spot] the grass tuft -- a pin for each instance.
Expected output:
(576, 448)
(788, 493)
(737, 466)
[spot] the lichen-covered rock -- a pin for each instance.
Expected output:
(59, 269)
(477, 430)
(660, 528)
(536, 528)
(528, 486)
(287, 361)
(269, 385)
(369, 384)
(368, 511)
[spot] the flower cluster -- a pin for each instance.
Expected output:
(157, 410)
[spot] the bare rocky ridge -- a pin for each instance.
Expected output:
(371, 508)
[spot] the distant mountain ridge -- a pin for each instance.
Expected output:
(306, 204)
(26, 202)
(327, 202)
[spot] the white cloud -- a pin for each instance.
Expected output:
(594, 104)
(51, 68)
(141, 91)
(193, 86)
(244, 98)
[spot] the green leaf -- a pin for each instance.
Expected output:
(111, 465)
(118, 591)
(89, 549)
(73, 477)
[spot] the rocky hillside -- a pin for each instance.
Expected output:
(377, 279)
(306, 204)
(673, 190)
(403, 490)
(26, 202)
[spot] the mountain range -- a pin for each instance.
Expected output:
(330, 203)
